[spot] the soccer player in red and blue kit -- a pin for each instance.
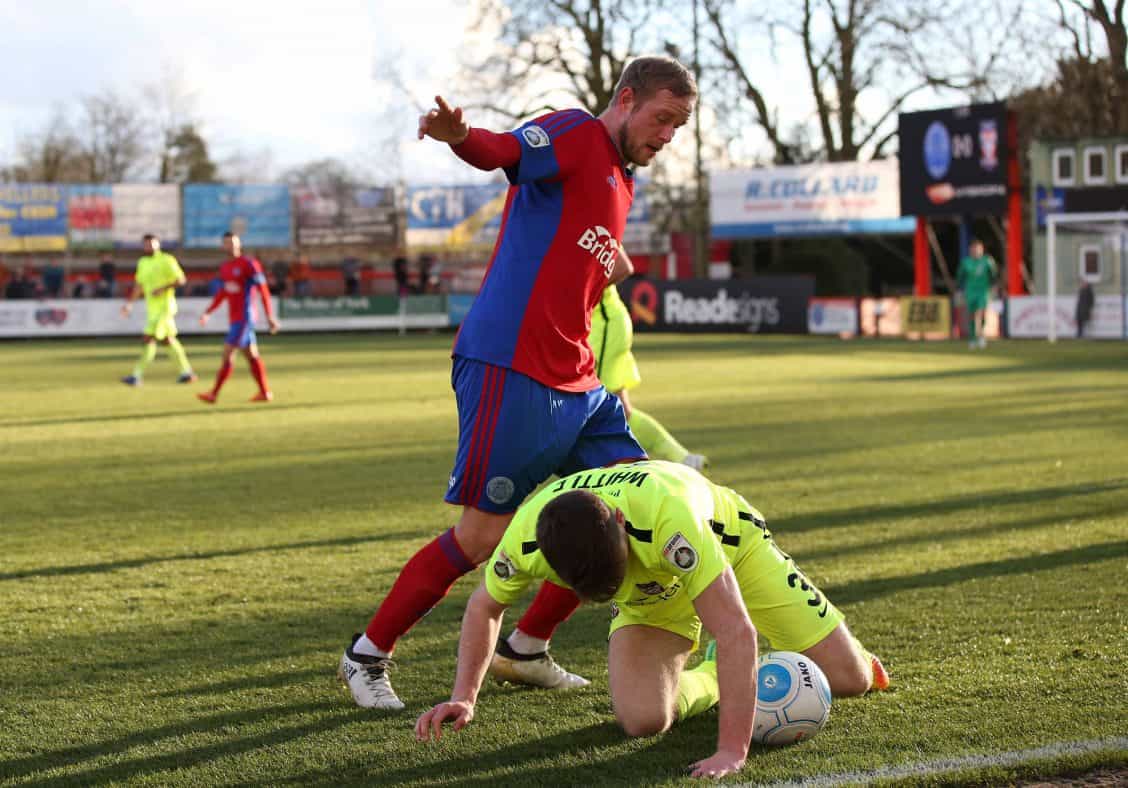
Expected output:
(529, 402)
(241, 276)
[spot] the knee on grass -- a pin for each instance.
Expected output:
(643, 723)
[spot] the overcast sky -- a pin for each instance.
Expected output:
(291, 78)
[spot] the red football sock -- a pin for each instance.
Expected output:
(258, 369)
(551, 607)
(221, 377)
(421, 584)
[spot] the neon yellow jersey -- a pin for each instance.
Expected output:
(678, 541)
(611, 338)
(154, 271)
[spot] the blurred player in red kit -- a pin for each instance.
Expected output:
(241, 277)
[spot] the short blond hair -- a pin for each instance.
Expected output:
(646, 75)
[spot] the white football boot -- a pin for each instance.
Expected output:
(535, 670)
(367, 677)
(698, 462)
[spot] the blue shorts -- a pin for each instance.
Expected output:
(241, 334)
(513, 433)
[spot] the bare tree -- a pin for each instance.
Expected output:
(1077, 18)
(178, 140)
(552, 53)
(113, 134)
(52, 154)
(862, 61)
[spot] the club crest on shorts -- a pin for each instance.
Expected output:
(535, 136)
(503, 567)
(499, 489)
(679, 552)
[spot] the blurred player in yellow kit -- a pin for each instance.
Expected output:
(158, 275)
(611, 338)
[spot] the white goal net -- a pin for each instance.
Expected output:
(1087, 248)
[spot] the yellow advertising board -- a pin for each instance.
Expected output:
(929, 317)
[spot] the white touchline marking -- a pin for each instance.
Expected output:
(940, 765)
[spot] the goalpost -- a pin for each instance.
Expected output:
(1112, 227)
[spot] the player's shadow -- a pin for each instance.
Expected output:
(134, 563)
(949, 533)
(609, 758)
(864, 590)
(225, 725)
(947, 506)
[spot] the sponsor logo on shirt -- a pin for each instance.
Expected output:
(232, 287)
(535, 136)
(679, 552)
(603, 247)
(503, 567)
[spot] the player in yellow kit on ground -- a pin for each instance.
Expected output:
(158, 275)
(672, 552)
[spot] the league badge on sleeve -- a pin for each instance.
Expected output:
(535, 136)
(679, 552)
(503, 567)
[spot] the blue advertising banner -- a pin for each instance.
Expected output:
(454, 217)
(33, 217)
(260, 215)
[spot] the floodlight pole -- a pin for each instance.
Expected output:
(1051, 276)
(1123, 285)
(700, 210)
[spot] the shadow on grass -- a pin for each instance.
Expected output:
(949, 534)
(867, 514)
(603, 762)
(871, 589)
(220, 724)
(191, 409)
(134, 563)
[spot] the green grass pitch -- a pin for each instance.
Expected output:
(177, 581)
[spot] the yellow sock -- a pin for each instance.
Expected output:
(698, 690)
(148, 353)
(178, 356)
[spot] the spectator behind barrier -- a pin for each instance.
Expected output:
(300, 274)
(350, 270)
(53, 276)
(107, 273)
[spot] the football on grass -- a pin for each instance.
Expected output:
(792, 699)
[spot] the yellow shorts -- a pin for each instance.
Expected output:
(785, 607)
(160, 327)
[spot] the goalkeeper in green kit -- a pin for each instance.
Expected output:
(976, 276)
(611, 337)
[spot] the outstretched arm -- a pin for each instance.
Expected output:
(483, 149)
(480, 627)
(722, 612)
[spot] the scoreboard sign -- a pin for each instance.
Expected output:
(954, 161)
